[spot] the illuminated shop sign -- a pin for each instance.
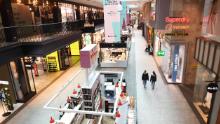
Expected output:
(177, 27)
(177, 20)
(180, 27)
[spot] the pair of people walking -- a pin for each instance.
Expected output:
(145, 78)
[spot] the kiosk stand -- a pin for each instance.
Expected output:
(101, 93)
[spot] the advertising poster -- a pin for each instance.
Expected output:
(112, 24)
(112, 21)
(175, 63)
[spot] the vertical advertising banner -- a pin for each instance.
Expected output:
(123, 14)
(112, 21)
(175, 63)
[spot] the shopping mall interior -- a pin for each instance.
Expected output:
(110, 61)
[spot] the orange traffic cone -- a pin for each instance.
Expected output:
(122, 94)
(51, 120)
(68, 99)
(74, 92)
(116, 85)
(119, 103)
(78, 86)
(118, 115)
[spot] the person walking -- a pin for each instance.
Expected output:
(153, 79)
(145, 78)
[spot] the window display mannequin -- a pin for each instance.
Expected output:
(5, 102)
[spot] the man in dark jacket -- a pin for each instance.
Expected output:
(153, 79)
(145, 78)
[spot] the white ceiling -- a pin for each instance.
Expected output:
(134, 4)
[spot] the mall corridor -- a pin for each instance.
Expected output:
(163, 105)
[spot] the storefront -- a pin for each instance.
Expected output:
(148, 34)
(171, 59)
(68, 12)
(113, 55)
(45, 69)
(15, 88)
(92, 38)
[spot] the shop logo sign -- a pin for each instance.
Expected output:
(177, 20)
(161, 53)
(212, 87)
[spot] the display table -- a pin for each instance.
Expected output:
(67, 118)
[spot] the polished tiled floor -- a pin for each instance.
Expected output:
(164, 105)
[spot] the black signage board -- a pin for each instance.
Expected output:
(177, 34)
(113, 45)
(212, 87)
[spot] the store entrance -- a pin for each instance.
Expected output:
(43, 70)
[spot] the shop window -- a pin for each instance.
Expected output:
(16, 82)
(113, 55)
(173, 62)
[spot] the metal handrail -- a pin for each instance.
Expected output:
(41, 32)
(44, 24)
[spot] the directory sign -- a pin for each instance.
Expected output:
(112, 21)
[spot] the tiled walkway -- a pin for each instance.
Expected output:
(165, 104)
(34, 113)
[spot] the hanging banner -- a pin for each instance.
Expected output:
(112, 21)
(112, 24)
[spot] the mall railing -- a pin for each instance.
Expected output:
(40, 33)
(37, 33)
